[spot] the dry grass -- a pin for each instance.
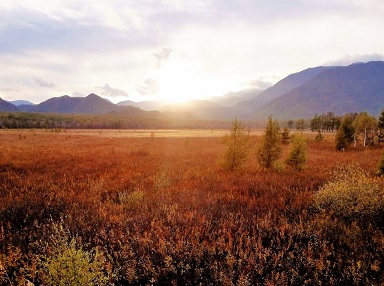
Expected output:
(164, 212)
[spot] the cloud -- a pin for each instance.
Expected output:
(350, 59)
(84, 44)
(42, 82)
(78, 94)
(149, 87)
(107, 90)
(162, 56)
(259, 83)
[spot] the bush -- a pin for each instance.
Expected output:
(380, 166)
(320, 137)
(297, 155)
(236, 152)
(270, 149)
(69, 264)
(351, 195)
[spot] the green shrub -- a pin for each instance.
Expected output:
(380, 166)
(351, 195)
(270, 149)
(319, 137)
(237, 143)
(297, 156)
(69, 264)
(133, 200)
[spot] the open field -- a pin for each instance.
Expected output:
(160, 210)
(126, 133)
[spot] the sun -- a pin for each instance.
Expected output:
(179, 82)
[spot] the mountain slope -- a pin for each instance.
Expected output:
(283, 86)
(354, 88)
(202, 109)
(145, 105)
(21, 102)
(62, 104)
(232, 98)
(7, 106)
(92, 104)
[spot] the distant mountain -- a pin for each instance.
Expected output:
(354, 88)
(92, 104)
(21, 102)
(283, 86)
(145, 105)
(232, 98)
(341, 89)
(7, 106)
(203, 109)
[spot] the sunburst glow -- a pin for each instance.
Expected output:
(179, 82)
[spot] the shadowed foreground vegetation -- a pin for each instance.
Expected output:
(162, 211)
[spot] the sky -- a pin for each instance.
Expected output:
(176, 50)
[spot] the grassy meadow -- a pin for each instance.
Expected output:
(155, 207)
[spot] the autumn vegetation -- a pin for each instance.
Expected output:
(89, 209)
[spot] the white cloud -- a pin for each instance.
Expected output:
(149, 87)
(43, 82)
(149, 47)
(162, 56)
(350, 59)
(109, 91)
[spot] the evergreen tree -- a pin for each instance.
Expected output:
(319, 137)
(381, 165)
(340, 140)
(380, 122)
(300, 124)
(298, 154)
(270, 149)
(346, 133)
(290, 124)
(380, 125)
(237, 146)
(285, 137)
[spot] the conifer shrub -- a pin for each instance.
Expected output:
(237, 143)
(297, 156)
(380, 166)
(352, 195)
(270, 148)
(319, 137)
(285, 137)
(68, 263)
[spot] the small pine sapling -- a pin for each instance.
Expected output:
(237, 143)
(270, 149)
(298, 154)
(285, 137)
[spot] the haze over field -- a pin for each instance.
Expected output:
(176, 50)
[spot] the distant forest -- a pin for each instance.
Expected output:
(325, 122)
(26, 120)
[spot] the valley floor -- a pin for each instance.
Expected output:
(155, 207)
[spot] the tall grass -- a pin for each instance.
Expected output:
(164, 212)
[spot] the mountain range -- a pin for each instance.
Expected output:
(341, 89)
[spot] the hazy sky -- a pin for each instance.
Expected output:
(167, 49)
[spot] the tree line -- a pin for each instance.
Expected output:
(352, 129)
(27, 120)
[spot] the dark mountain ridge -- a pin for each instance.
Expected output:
(353, 88)
(7, 106)
(281, 87)
(341, 89)
(91, 104)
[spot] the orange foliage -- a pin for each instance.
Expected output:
(165, 213)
